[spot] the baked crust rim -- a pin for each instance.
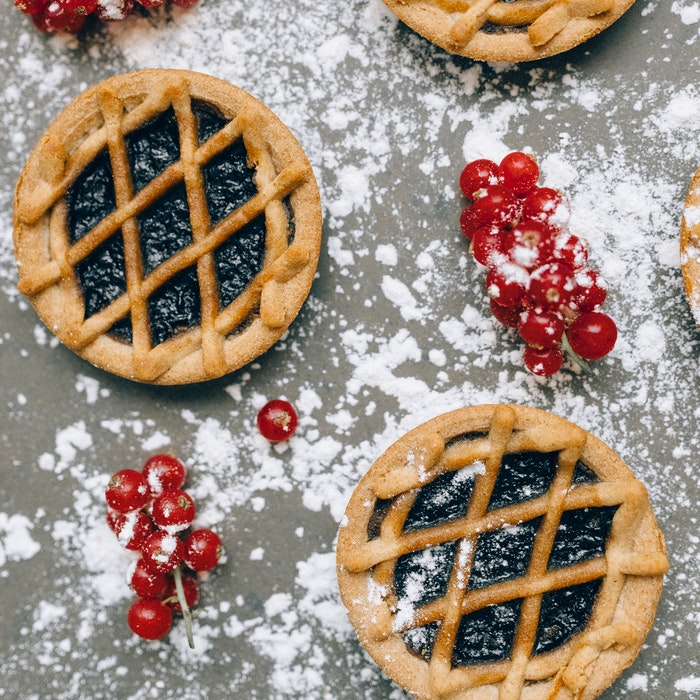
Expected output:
(46, 275)
(371, 613)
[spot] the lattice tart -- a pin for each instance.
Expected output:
(167, 226)
(500, 552)
(690, 246)
(508, 30)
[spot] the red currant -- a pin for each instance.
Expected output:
(127, 490)
(552, 284)
(277, 420)
(173, 510)
(590, 292)
(518, 172)
(486, 243)
(150, 619)
(163, 472)
(592, 335)
(162, 552)
(543, 362)
(478, 175)
(54, 17)
(506, 284)
(147, 584)
(79, 7)
(529, 244)
(571, 249)
(132, 529)
(202, 550)
(191, 590)
(30, 7)
(505, 315)
(497, 206)
(541, 329)
(546, 205)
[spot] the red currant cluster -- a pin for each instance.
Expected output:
(537, 278)
(150, 514)
(52, 16)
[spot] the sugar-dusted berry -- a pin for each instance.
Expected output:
(127, 490)
(173, 510)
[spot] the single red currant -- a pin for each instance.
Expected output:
(505, 315)
(277, 420)
(203, 550)
(571, 249)
(191, 590)
(592, 335)
(546, 205)
(132, 529)
(173, 510)
(487, 242)
(127, 490)
(540, 328)
(529, 244)
(478, 175)
(54, 17)
(543, 362)
(149, 618)
(552, 285)
(507, 284)
(163, 472)
(518, 172)
(147, 584)
(591, 290)
(162, 552)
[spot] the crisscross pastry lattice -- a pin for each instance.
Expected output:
(508, 30)
(222, 337)
(374, 538)
(690, 246)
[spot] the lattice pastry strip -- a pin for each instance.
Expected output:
(286, 197)
(481, 439)
(508, 30)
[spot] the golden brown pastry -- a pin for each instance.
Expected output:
(167, 227)
(500, 552)
(508, 30)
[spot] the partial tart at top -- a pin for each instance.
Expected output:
(690, 246)
(500, 551)
(508, 30)
(167, 227)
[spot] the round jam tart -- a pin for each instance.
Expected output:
(501, 552)
(167, 227)
(508, 30)
(690, 246)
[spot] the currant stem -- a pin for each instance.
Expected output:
(186, 614)
(566, 347)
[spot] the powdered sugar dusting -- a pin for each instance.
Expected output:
(396, 330)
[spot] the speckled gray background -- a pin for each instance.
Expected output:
(384, 117)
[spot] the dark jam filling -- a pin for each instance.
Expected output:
(501, 555)
(165, 228)
(523, 476)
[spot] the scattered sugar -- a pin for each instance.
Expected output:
(319, 72)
